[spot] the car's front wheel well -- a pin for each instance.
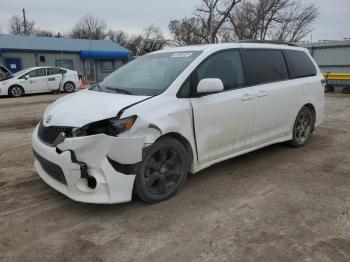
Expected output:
(15, 85)
(183, 141)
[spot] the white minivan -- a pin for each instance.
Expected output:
(176, 111)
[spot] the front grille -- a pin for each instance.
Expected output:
(53, 170)
(49, 134)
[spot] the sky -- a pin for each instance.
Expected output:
(134, 15)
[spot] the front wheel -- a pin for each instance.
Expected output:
(303, 127)
(163, 171)
(16, 91)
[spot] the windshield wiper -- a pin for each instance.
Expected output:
(119, 90)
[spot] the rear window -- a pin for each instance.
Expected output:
(301, 63)
(267, 66)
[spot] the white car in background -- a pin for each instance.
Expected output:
(39, 80)
(4, 73)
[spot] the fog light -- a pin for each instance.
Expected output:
(91, 182)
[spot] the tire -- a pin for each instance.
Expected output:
(329, 89)
(346, 90)
(16, 91)
(163, 171)
(303, 127)
(69, 87)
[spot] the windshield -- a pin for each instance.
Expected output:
(22, 72)
(148, 75)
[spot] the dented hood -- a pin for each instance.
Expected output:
(84, 107)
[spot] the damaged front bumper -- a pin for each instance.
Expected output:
(91, 169)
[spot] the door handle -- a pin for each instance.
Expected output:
(246, 97)
(262, 93)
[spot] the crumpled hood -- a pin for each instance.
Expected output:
(84, 107)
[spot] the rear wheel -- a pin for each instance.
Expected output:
(69, 87)
(346, 90)
(16, 91)
(329, 89)
(163, 171)
(303, 127)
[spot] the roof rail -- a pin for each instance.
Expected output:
(276, 42)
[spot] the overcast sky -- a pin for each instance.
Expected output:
(133, 15)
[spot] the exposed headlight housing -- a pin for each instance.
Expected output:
(110, 127)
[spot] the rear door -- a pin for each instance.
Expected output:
(222, 121)
(275, 95)
(54, 78)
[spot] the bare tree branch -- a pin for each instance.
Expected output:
(17, 26)
(90, 27)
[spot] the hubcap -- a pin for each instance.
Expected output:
(69, 87)
(16, 91)
(303, 128)
(163, 171)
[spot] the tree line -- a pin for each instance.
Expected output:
(213, 21)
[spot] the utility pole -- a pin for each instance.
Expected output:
(24, 22)
(211, 21)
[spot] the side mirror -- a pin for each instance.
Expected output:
(26, 77)
(210, 85)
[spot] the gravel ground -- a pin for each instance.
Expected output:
(276, 204)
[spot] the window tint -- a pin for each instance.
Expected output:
(37, 73)
(301, 63)
(227, 66)
(54, 71)
(267, 65)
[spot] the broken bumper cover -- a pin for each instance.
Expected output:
(111, 161)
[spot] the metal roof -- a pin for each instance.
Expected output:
(18, 42)
(326, 44)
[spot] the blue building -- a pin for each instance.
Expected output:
(92, 59)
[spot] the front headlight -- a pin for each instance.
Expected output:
(110, 127)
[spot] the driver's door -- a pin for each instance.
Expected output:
(36, 81)
(223, 121)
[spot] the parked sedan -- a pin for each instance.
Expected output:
(39, 80)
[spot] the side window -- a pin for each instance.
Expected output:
(53, 71)
(301, 63)
(37, 73)
(267, 66)
(227, 66)
(184, 91)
